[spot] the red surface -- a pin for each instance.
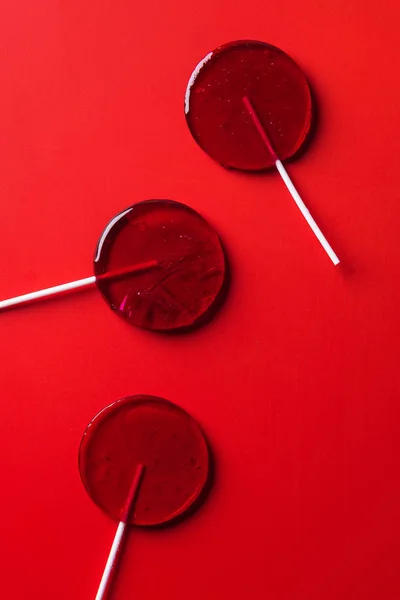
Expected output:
(181, 261)
(296, 380)
(276, 87)
(156, 434)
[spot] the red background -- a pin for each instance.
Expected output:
(295, 381)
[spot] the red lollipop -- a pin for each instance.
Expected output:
(144, 461)
(158, 264)
(249, 106)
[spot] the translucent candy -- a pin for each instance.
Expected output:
(168, 262)
(157, 434)
(276, 87)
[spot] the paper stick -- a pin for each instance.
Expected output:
(74, 285)
(120, 536)
(289, 184)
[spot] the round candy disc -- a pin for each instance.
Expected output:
(218, 118)
(162, 437)
(168, 263)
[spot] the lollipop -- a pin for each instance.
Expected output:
(158, 264)
(249, 106)
(144, 461)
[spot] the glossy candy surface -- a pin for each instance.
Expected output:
(162, 437)
(275, 85)
(169, 262)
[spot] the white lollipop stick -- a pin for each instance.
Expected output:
(74, 285)
(289, 184)
(51, 291)
(120, 536)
